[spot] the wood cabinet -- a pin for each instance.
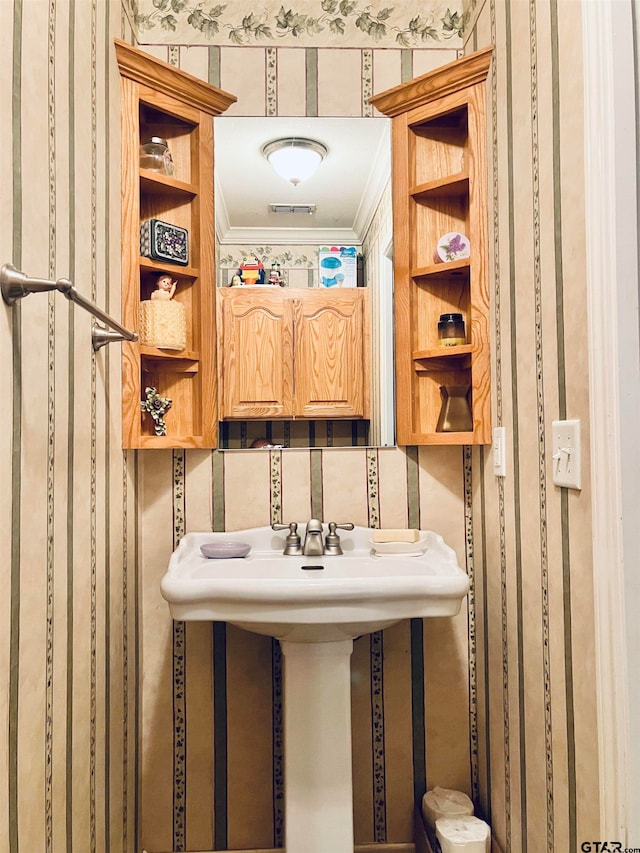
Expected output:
(287, 353)
(439, 187)
(160, 100)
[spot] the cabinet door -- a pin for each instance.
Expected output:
(256, 354)
(331, 354)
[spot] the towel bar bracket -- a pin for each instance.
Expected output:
(16, 285)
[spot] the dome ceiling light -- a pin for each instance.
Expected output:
(294, 158)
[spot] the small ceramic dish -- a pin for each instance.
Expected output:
(224, 549)
(406, 549)
(452, 247)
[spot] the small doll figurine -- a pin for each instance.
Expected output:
(275, 276)
(166, 288)
(236, 281)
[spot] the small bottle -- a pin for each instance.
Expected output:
(451, 330)
(155, 156)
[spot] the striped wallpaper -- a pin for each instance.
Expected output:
(540, 776)
(126, 731)
(68, 604)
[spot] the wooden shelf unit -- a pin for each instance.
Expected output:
(439, 186)
(160, 100)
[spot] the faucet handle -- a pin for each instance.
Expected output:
(332, 540)
(292, 544)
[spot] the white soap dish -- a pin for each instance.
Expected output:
(407, 549)
(224, 549)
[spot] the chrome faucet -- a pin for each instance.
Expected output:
(313, 544)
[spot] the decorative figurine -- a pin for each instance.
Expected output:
(275, 276)
(157, 407)
(236, 281)
(166, 288)
(252, 271)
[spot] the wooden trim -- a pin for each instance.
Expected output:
(456, 75)
(604, 272)
(146, 69)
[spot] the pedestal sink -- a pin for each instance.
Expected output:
(315, 607)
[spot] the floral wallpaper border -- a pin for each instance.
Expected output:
(317, 23)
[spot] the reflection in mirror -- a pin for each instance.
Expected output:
(285, 225)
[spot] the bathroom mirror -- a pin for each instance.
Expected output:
(345, 203)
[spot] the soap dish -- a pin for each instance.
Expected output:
(406, 549)
(225, 549)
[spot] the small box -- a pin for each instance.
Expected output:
(338, 266)
(164, 242)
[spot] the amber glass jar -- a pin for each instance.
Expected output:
(451, 331)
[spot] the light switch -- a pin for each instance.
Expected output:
(499, 452)
(566, 458)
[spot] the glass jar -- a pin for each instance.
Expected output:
(451, 331)
(155, 156)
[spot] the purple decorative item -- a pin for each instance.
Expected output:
(452, 247)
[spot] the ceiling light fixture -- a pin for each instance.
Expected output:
(294, 158)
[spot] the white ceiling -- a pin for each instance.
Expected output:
(345, 189)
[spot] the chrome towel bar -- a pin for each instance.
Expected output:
(16, 285)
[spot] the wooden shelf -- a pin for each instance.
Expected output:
(443, 358)
(439, 139)
(153, 182)
(451, 186)
(160, 100)
(443, 270)
(445, 438)
(173, 269)
(171, 355)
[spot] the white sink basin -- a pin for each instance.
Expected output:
(315, 607)
(283, 597)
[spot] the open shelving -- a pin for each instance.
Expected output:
(439, 188)
(160, 100)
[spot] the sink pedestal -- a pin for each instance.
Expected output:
(317, 747)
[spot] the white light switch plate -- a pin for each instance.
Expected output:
(499, 452)
(566, 454)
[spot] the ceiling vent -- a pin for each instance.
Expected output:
(293, 208)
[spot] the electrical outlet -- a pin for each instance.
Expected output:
(566, 454)
(499, 448)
